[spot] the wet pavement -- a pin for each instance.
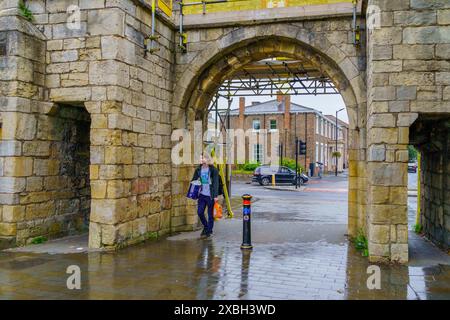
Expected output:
(300, 252)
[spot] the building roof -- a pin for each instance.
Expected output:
(273, 107)
(340, 122)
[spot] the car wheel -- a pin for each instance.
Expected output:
(265, 181)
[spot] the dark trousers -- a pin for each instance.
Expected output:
(203, 202)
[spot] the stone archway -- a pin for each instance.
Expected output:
(204, 76)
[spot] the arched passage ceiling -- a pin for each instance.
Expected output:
(271, 76)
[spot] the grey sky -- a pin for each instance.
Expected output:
(327, 104)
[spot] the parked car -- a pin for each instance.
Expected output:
(412, 167)
(263, 175)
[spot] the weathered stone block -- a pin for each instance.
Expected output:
(399, 253)
(18, 167)
(98, 189)
(426, 35)
(73, 94)
(8, 229)
(377, 153)
(383, 135)
(387, 174)
(382, 120)
(13, 214)
(399, 106)
(119, 49)
(109, 73)
(106, 22)
(406, 92)
(415, 18)
(62, 31)
(379, 233)
(92, 4)
(383, 93)
(426, 4)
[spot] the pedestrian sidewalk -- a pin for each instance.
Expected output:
(286, 188)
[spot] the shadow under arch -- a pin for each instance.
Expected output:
(206, 75)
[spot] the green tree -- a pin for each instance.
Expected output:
(412, 153)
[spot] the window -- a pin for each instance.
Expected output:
(284, 170)
(273, 124)
(321, 153)
(317, 151)
(317, 125)
(258, 153)
(256, 124)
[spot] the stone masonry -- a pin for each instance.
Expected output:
(57, 77)
(408, 74)
(99, 67)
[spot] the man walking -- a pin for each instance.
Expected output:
(209, 178)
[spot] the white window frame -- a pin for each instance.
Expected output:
(258, 151)
(321, 153)
(317, 124)
(253, 124)
(317, 151)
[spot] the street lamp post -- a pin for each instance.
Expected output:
(336, 137)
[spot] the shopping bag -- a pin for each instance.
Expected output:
(217, 211)
(194, 190)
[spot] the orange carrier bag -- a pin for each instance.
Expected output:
(217, 211)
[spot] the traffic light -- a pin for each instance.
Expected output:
(302, 148)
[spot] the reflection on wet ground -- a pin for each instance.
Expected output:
(292, 259)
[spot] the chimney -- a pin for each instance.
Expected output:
(287, 112)
(241, 112)
(279, 97)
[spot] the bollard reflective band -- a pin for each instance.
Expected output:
(246, 226)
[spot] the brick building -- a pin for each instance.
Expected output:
(291, 120)
(343, 140)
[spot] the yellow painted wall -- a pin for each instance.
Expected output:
(239, 5)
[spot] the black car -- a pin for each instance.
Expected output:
(263, 175)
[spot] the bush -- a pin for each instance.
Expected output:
(39, 240)
(362, 244)
(290, 163)
(418, 228)
(25, 11)
(412, 153)
(248, 166)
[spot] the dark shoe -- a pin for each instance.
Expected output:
(203, 234)
(208, 235)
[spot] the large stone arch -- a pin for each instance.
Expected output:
(198, 82)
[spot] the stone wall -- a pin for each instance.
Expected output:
(408, 74)
(22, 80)
(432, 137)
(101, 66)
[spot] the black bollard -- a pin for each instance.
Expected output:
(246, 215)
